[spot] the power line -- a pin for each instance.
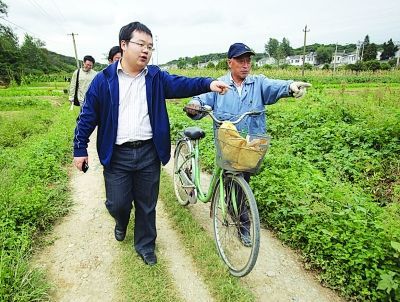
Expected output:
(35, 35)
(59, 11)
(45, 13)
(16, 25)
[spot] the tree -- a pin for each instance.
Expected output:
(272, 47)
(278, 50)
(357, 67)
(33, 57)
(287, 50)
(372, 65)
(389, 50)
(210, 65)
(195, 61)
(366, 40)
(3, 8)
(222, 64)
(370, 52)
(9, 51)
(324, 55)
(181, 63)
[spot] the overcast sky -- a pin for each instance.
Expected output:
(187, 28)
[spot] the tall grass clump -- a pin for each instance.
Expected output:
(33, 189)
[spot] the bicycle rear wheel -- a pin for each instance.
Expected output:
(183, 173)
(236, 225)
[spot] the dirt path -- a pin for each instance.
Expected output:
(80, 262)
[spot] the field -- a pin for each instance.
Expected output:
(329, 186)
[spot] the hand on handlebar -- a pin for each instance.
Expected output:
(192, 109)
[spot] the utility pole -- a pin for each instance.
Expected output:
(157, 48)
(358, 50)
(76, 54)
(334, 59)
(362, 51)
(304, 48)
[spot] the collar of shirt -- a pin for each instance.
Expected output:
(120, 69)
(232, 82)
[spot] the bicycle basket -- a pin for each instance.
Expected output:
(239, 152)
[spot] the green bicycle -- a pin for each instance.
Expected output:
(234, 210)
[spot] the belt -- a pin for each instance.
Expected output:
(136, 144)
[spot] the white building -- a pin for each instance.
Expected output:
(310, 58)
(265, 61)
(343, 58)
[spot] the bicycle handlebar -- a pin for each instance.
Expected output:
(208, 110)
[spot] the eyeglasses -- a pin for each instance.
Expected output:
(150, 48)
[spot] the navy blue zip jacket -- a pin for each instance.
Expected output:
(100, 109)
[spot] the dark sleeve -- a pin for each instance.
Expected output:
(183, 87)
(87, 120)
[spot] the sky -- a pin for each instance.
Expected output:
(185, 28)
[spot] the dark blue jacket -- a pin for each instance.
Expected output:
(101, 103)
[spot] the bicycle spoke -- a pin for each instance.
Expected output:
(236, 232)
(182, 173)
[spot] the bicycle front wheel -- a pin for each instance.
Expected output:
(183, 173)
(236, 225)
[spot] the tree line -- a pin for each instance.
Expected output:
(324, 53)
(30, 58)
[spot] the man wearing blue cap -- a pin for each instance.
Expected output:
(247, 93)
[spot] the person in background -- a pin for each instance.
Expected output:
(114, 54)
(126, 101)
(247, 93)
(81, 79)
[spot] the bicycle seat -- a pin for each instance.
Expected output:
(194, 132)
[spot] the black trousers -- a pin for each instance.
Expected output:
(134, 176)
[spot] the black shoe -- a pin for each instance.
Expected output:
(119, 233)
(245, 238)
(149, 258)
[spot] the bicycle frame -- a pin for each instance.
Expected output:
(217, 174)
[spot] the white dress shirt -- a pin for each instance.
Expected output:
(133, 121)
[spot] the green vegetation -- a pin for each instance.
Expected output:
(35, 142)
(329, 185)
(142, 282)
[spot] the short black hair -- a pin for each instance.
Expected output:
(89, 58)
(113, 51)
(125, 34)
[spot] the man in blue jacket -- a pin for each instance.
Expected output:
(126, 101)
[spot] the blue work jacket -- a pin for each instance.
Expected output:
(257, 92)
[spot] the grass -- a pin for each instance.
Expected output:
(140, 282)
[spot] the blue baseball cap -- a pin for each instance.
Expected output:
(238, 49)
